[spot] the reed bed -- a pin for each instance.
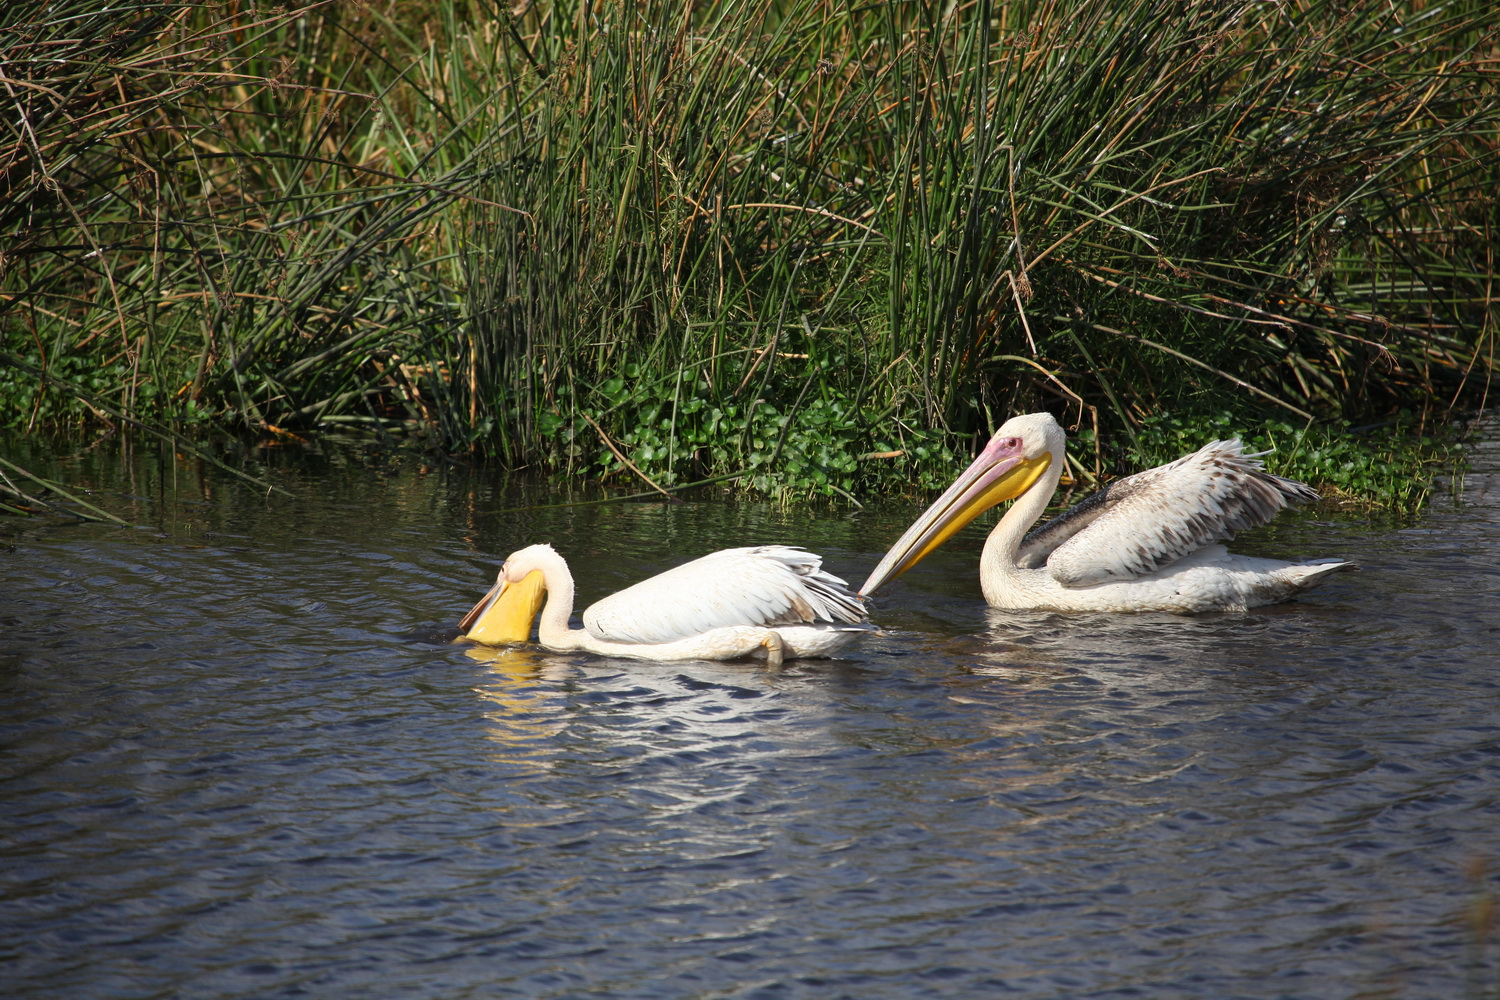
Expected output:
(797, 245)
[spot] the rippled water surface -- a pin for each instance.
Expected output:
(243, 760)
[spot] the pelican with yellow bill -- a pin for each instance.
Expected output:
(1147, 542)
(771, 602)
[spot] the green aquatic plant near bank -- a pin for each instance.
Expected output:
(797, 248)
(1393, 464)
(819, 447)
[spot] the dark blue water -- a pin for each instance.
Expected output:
(241, 760)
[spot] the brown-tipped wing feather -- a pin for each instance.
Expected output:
(1144, 522)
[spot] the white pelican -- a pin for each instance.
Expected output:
(1147, 542)
(770, 601)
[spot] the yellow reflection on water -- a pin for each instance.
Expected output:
(525, 706)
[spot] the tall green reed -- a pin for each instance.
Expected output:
(771, 239)
(936, 215)
(202, 219)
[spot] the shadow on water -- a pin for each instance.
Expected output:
(243, 759)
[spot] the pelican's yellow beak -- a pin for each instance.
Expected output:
(505, 614)
(1001, 472)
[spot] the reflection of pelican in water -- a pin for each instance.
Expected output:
(769, 601)
(647, 733)
(1148, 542)
(524, 706)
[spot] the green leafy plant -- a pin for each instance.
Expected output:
(1392, 464)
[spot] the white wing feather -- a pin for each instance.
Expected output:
(1144, 522)
(758, 585)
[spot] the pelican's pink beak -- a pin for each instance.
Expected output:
(1001, 472)
(505, 613)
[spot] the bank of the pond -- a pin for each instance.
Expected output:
(1392, 467)
(776, 241)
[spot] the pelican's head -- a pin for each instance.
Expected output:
(1016, 457)
(505, 613)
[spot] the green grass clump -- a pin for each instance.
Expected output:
(810, 248)
(1389, 465)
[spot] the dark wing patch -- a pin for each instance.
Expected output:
(1039, 542)
(1144, 522)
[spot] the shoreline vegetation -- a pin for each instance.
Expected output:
(803, 248)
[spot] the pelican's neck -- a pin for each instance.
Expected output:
(1004, 542)
(552, 626)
